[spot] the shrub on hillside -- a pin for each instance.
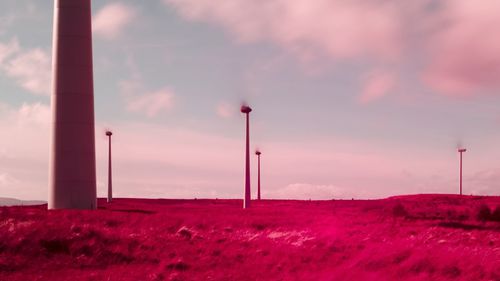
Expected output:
(495, 215)
(454, 215)
(484, 213)
(399, 210)
(56, 246)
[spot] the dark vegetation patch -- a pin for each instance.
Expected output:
(495, 215)
(435, 213)
(401, 257)
(178, 265)
(399, 210)
(457, 215)
(459, 225)
(483, 213)
(423, 266)
(259, 226)
(112, 223)
(469, 226)
(56, 246)
(452, 271)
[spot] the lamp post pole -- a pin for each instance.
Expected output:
(461, 150)
(258, 153)
(246, 202)
(110, 180)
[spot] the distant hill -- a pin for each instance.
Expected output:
(17, 202)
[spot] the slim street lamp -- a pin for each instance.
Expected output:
(258, 153)
(246, 201)
(461, 150)
(110, 188)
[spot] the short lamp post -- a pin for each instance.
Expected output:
(258, 153)
(110, 180)
(461, 150)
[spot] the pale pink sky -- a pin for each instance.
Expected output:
(354, 98)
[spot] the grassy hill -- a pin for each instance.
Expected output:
(420, 237)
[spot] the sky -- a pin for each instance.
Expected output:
(351, 99)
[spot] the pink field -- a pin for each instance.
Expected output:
(424, 237)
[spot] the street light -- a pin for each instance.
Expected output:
(246, 201)
(461, 150)
(258, 153)
(110, 188)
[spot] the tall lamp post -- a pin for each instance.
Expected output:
(110, 181)
(258, 153)
(246, 201)
(461, 150)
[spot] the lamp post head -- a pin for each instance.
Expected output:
(258, 153)
(245, 109)
(462, 150)
(109, 133)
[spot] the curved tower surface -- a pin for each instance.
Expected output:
(72, 175)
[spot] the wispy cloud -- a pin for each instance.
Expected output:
(139, 98)
(464, 56)
(140, 101)
(37, 113)
(23, 161)
(31, 68)
(111, 21)
(151, 104)
(8, 49)
(456, 42)
(7, 180)
(378, 84)
(225, 110)
(328, 27)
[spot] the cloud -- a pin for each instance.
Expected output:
(339, 29)
(377, 85)
(24, 150)
(36, 113)
(31, 68)
(111, 21)
(7, 50)
(154, 160)
(130, 87)
(167, 161)
(464, 57)
(148, 103)
(151, 103)
(9, 17)
(7, 180)
(27, 115)
(139, 99)
(483, 182)
(225, 110)
(452, 43)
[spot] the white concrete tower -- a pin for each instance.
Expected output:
(72, 176)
